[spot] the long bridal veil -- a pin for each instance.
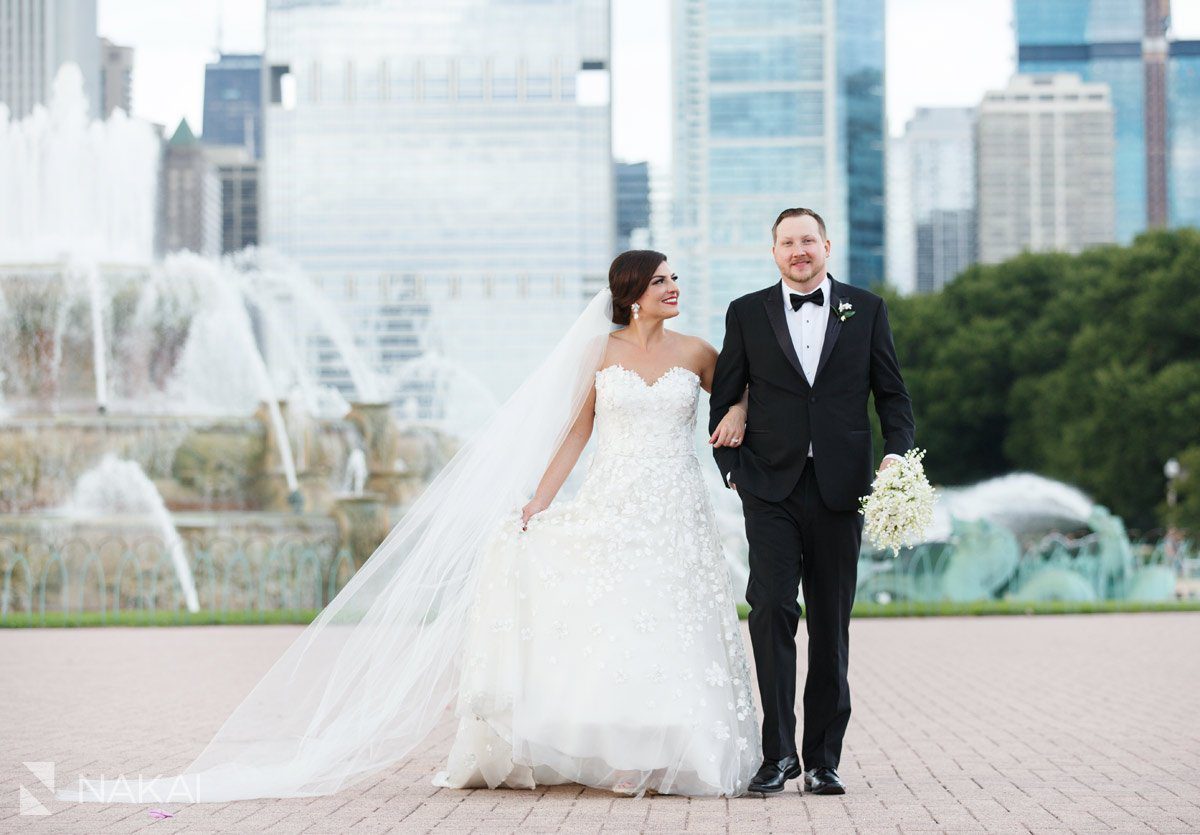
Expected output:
(374, 673)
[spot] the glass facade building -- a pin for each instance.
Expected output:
(1183, 133)
(1120, 67)
(633, 202)
(1123, 43)
(1078, 22)
(861, 120)
(931, 236)
(444, 174)
(763, 115)
(233, 111)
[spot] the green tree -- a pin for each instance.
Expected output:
(1084, 368)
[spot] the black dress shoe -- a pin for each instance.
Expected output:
(773, 774)
(823, 780)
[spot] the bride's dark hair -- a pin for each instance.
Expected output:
(628, 278)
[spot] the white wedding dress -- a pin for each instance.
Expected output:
(604, 647)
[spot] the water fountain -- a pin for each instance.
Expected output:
(1020, 537)
(465, 399)
(74, 187)
(1020, 502)
(117, 490)
(179, 381)
(274, 275)
(356, 473)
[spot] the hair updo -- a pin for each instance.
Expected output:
(628, 278)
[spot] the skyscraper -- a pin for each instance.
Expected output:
(36, 38)
(861, 122)
(1045, 167)
(444, 173)
(932, 238)
(238, 173)
(1183, 134)
(233, 134)
(191, 203)
(633, 201)
(1124, 44)
(116, 78)
(757, 130)
(233, 111)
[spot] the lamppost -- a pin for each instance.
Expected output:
(1172, 470)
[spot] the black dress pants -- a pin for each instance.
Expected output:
(800, 541)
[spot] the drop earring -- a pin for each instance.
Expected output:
(636, 307)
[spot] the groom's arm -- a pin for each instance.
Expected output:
(729, 385)
(892, 403)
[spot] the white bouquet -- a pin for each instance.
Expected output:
(900, 505)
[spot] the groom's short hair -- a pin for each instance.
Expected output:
(786, 213)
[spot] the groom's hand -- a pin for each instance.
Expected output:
(888, 460)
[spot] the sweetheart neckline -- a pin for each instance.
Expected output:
(642, 379)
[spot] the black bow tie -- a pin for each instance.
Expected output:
(817, 297)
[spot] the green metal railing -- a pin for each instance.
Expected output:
(123, 581)
(261, 579)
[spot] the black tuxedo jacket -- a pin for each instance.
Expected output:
(786, 413)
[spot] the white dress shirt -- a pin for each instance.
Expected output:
(807, 329)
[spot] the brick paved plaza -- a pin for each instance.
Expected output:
(1069, 723)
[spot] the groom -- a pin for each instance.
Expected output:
(811, 349)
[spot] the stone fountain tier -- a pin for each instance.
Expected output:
(399, 462)
(363, 522)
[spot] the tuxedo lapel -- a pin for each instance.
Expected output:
(832, 328)
(774, 304)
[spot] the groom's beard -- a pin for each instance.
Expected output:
(801, 273)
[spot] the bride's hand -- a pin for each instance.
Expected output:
(731, 429)
(530, 510)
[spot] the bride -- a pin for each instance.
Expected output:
(594, 641)
(604, 646)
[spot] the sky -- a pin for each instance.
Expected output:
(939, 53)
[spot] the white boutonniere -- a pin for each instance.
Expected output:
(844, 310)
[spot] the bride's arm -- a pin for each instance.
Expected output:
(732, 428)
(563, 461)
